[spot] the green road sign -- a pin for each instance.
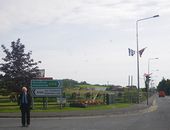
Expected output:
(45, 84)
(46, 88)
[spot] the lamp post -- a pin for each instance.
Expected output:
(138, 82)
(147, 89)
(149, 63)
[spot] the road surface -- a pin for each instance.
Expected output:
(156, 119)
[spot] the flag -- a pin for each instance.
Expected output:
(145, 74)
(141, 51)
(131, 52)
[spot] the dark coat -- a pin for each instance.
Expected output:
(25, 106)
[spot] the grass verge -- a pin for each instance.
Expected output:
(10, 108)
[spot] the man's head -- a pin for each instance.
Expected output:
(24, 89)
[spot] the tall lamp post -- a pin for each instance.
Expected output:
(149, 63)
(138, 82)
(147, 87)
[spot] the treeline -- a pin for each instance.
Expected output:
(164, 85)
(68, 83)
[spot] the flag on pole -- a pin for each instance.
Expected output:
(141, 51)
(145, 74)
(131, 52)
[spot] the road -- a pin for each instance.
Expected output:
(154, 120)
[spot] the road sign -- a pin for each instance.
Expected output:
(41, 92)
(46, 88)
(45, 84)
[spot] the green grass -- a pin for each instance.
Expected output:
(54, 108)
(8, 104)
(90, 86)
(99, 107)
(1, 97)
(10, 110)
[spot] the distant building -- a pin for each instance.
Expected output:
(41, 73)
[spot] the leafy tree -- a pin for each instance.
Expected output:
(17, 68)
(83, 83)
(164, 85)
(3, 89)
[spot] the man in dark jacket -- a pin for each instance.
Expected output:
(25, 102)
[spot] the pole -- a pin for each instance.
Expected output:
(147, 94)
(138, 84)
(137, 49)
(149, 63)
(147, 79)
(147, 88)
(131, 80)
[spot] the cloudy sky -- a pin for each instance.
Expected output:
(88, 40)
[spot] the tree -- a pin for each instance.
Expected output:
(17, 68)
(83, 83)
(68, 83)
(164, 85)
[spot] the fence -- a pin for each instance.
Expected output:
(125, 97)
(88, 99)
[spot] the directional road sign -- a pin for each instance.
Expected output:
(46, 92)
(45, 84)
(46, 88)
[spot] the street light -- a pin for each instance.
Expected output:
(149, 63)
(138, 84)
(151, 80)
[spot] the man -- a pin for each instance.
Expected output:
(25, 102)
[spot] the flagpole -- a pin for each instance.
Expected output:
(137, 48)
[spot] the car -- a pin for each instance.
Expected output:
(161, 94)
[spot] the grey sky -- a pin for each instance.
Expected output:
(88, 39)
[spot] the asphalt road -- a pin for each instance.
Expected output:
(157, 119)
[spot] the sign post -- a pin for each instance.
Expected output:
(46, 88)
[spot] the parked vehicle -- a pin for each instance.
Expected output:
(161, 94)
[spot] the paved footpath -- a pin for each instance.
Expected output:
(136, 108)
